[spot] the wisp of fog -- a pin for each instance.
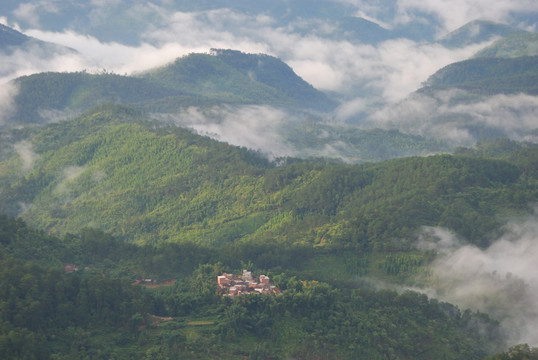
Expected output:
(500, 280)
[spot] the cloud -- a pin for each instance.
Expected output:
(7, 100)
(451, 14)
(442, 116)
(69, 174)
(26, 153)
(95, 55)
(255, 127)
(30, 13)
(501, 280)
(390, 70)
(456, 13)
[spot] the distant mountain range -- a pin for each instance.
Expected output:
(478, 31)
(11, 40)
(489, 76)
(222, 77)
(511, 46)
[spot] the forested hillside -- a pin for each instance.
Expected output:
(90, 313)
(490, 76)
(151, 183)
(224, 77)
(512, 46)
(478, 31)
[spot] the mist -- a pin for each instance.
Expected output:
(252, 126)
(441, 116)
(69, 174)
(7, 101)
(501, 280)
(25, 151)
(390, 69)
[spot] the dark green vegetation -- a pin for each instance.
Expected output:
(489, 76)
(225, 77)
(518, 352)
(96, 313)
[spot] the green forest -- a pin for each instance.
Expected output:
(123, 198)
(97, 313)
(489, 76)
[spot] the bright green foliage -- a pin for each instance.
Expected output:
(151, 184)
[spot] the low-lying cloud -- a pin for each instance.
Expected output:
(501, 280)
(25, 151)
(7, 101)
(441, 116)
(255, 127)
(391, 69)
(456, 13)
(69, 174)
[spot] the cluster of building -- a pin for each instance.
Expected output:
(233, 285)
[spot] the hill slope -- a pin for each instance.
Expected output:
(152, 184)
(512, 46)
(228, 77)
(477, 31)
(490, 75)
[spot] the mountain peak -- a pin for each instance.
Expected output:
(477, 31)
(11, 37)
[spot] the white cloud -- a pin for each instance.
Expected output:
(30, 13)
(255, 127)
(96, 56)
(25, 151)
(393, 68)
(7, 101)
(70, 173)
(456, 13)
(501, 280)
(436, 116)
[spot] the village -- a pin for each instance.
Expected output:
(233, 285)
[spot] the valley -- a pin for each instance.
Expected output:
(373, 175)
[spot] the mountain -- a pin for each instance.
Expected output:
(512, 46)
(364, 31)
(489, 75)
(225, 77)
(241, 77)
(11, 40)
(10, 37)
(151, 183)
(477, 31)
